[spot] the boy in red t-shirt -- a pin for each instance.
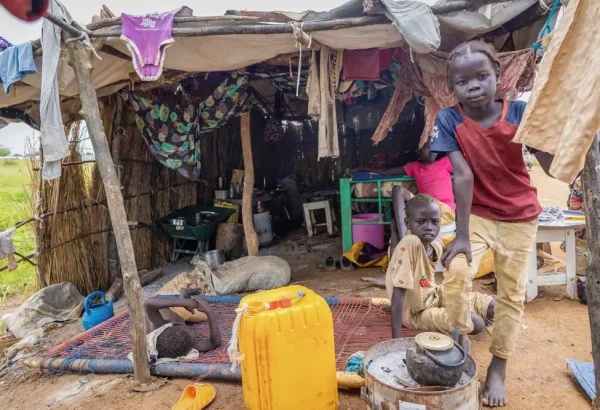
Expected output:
(496, 205)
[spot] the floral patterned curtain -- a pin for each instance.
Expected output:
(172, 131)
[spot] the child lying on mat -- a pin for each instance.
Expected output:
(417, 302)
(168, 337)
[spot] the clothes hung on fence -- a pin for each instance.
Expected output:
(563, 113)
(147, 37)
(15, 63)
(171, 131)
(53, 139)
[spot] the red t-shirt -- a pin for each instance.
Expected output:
(434, 179)
(502, 188)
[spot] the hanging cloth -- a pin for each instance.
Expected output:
(313, 87)
(147, 37)
(53, 139)
(563, 113)
(171, 131)
(328, 135)
(228, 100)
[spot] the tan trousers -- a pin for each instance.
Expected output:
(434, 318)
(512, 244)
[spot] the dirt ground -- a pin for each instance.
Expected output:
(554, 329)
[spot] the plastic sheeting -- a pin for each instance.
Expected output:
(231, 52)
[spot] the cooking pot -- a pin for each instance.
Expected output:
(214, 258)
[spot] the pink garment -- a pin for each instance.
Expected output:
(361, 65)
(147, 37)
(434, 179)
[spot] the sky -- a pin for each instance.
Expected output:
(14, 136)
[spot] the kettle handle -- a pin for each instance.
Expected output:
(436, 361)
(88, 300)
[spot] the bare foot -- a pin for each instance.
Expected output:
(494, 394)
(380, 281)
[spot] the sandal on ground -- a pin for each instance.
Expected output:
(329, 264)
(346, 265)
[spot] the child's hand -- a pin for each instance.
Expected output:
(202, 305)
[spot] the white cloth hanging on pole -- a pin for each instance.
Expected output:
(53, 139)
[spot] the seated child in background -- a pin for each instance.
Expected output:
(417, 302)
(168, 336)
(433, 176)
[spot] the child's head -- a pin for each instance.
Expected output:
(423, 217)
(425, 155)
(473, 73)
(174, 341)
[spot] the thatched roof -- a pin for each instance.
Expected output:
(219, 51)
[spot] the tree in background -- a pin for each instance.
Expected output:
(4, 151)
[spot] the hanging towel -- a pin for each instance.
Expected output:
(147, 37)
(15, 63)
(563, 113)
(313, 87)
(328, 136)
(54, 141)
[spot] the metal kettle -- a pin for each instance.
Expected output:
(436, 360)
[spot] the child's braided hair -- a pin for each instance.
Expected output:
(471, 47)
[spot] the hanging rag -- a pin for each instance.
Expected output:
(362, 65)
(427, 78)
(313, 87)
(6, 243)
(416, 22)
(54, 141)
(15, 63)
(563, 113)
(328, 135)
(147, 37)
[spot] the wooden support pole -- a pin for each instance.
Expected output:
(247, 211)
(117, 131)
(39, 227)
(591, 186)
(81, 61)
(116, 21)
(308, 27)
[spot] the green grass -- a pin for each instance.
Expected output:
(14, 207)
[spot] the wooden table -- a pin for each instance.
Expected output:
(554, 232)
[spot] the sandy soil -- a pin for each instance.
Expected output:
(555, 328)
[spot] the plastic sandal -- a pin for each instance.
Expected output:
(346, 265)
(329, 264)
(196, 397)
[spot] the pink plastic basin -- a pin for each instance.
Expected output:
(372, 234)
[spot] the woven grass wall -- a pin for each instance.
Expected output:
(74, 237)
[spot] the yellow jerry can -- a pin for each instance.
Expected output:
(286, 342)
